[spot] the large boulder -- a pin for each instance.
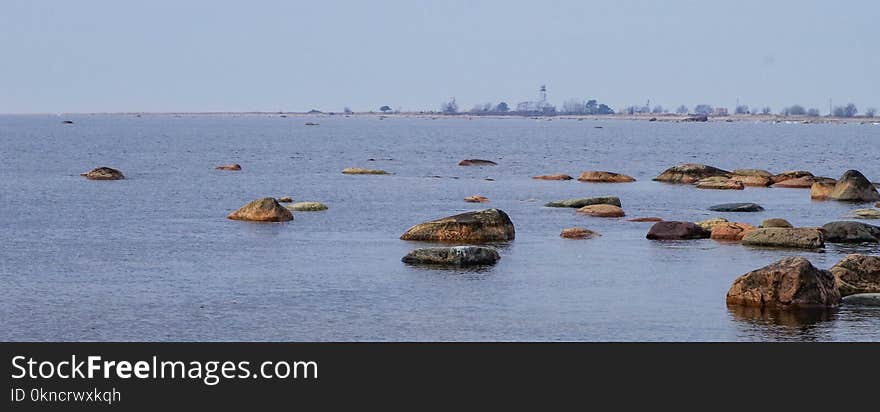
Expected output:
(453, 256)
(586, 201)
(103, 173)
(488, 225)
(752, 177)
(477, 162)
(604, 177)
(821, 190)
(775, 222)
(676, 231)
(553, 177)
(689, 173)
(602, 211)
(362, 171)
(266, 209)
(797, 238)
(790, 283)
(578, 233)
(737, 207)
(733, 231)
(853, 186)
(851, 232)
(857, 274)
(719, 183)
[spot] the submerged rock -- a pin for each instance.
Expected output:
(865, 214)
(285, 199)
(453, 256)
(719, 183)
(489, 225)
(553, 177)
(103, 173)
(477, 162)
(362, 171)
(578, 233)
(775, 222)
(307, 207)
(731, 231)
(690, 173)
(604, 177)
(476, 199)
(266, 209)
(230, 167)
(862, 299)
(676, 231)
(797, 238)
(602, 211)
(790, 283)
(853, 186)
(737, 207)
(586, 201)
(851, 232)
(857, 274)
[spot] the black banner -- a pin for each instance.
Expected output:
(244, 376)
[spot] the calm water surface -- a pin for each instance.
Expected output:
(154, 258)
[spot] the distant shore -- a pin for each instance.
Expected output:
(667, 117)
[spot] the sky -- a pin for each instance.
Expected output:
(60, 56)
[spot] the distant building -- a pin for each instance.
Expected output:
(539, 107)
(720, 111)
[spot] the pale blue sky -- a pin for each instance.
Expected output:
(164, 55)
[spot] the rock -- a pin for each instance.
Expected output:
(857, 274)
(689, 173)
(854, 187)
(775, 222)
(602, 211)
(752, 177)
(362, 171)
(230, 167)
(285, 199)
(710, 224)
(453, 256)
(865, 214)
(489, 225)
(791, 174)
(645, 219)
(697, 118)
(731, 231)
(476, 199)
(553, 177)
(790, 283)
(798, 238)
(67, 121)
(307, 207)
(804, 182)
(862, 299)
(604, 177)
(477, 162)
(851, 232)
(821, 190)
(720, 183)
(676, 231)
(578, 233)
(266, 209)
(737, 207)
(586, 201)
(103, 173)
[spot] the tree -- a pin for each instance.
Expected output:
(766, 110)
(682, 109)
(849, 110)
(385, 109)
(604, 109)
(741, 109)
(502, 108)
(658, 109)
(347, 110)
(813, 112)
(450, 107)
(592, 106)
(871, 112)
(703, 109)
(795, 110)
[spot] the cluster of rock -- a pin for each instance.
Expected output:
(481, 226)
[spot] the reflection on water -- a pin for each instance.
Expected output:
(766, 323)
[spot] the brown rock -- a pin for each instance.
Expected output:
(230, 167)
(645, 219)
(103, 173)
(791, 174)
(689, 173)
(790, 283)
(362, 171)
(752, 177)
(476, 199)
(553, 177)
(710, 224)
(853, 186)
(775, 222)
(857, 274)
(719, 183)
(266, 209)
(803, 182)
(477, 162)
(821, 190)
(285, 199)
(602, 211)
(604, 177)
(578, 233)
(731, 231)
(489, 225)
(676, 231)
(797, 238)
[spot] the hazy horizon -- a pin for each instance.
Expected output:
(201, 56)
